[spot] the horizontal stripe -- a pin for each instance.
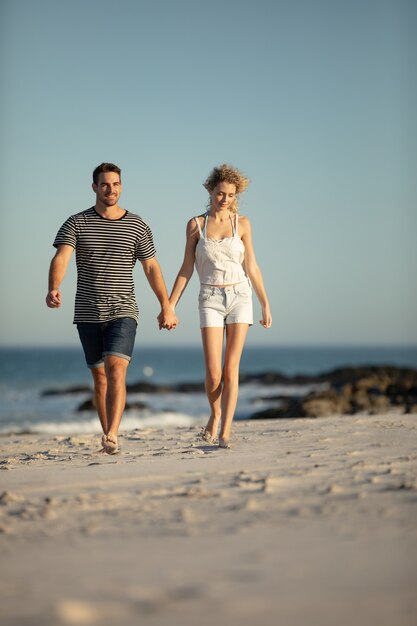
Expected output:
(106, 252)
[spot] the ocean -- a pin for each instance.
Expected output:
(25, 374)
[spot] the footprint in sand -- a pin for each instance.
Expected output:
(8, 497)
(337, 489)
(79, 613)
(272, 484)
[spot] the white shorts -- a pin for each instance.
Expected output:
(225, 305)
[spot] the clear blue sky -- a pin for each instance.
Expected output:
(314, 100)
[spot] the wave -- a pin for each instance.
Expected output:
(92, 425)
(31, 413)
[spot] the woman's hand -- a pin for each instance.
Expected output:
(266, 320)
(167, 318)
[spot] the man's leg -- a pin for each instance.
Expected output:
(100, 394)
(118, 343)
(92, 342)
(115, 372)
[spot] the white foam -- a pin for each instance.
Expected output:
(92, 425)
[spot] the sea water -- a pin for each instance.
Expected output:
(25, 374)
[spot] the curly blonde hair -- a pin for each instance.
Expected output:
(227, 174)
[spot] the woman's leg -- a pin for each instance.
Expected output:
(213, 348)
(235, 340)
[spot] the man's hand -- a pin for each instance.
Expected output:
(53, 299)
(167, 318)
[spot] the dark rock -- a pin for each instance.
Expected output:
(411, 400)
(87, 405)
(369, 376)
(290, 407)
(271, 399)
(376, 377)
(142, 387)
(362, 401)
(400, 394)
(90, 405)
(370, 389)
(69, 390)
(139, 406)
(190, 387)
(265, 378)
(325, 403)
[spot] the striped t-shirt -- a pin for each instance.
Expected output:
(106, 252)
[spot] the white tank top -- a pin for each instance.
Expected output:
(219, 261)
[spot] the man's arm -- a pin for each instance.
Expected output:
(57, 271)
(166, 318)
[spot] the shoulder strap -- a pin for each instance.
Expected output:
(235, 225)
(205, 224)
(199, 227)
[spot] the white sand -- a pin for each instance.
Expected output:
(305, 522)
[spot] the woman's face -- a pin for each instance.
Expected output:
(222, 196)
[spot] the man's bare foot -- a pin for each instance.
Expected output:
(110, 444)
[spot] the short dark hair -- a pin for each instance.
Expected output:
(105, 167)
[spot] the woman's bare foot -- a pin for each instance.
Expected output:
(211, 428)
(206, 436)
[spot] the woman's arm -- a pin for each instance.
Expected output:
(187, 267)
(253, 271)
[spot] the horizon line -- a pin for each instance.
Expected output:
(306, 345)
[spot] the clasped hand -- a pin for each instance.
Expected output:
(167, 319)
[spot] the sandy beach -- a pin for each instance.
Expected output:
(304, 521)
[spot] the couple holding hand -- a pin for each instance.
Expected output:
(108, 240)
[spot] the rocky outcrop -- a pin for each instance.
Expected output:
(353, 390)
(90, 405)
(142, 387)
(346, 391)
(66, 391)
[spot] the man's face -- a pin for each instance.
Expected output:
(108, 188)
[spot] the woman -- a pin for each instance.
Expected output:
(219, 243)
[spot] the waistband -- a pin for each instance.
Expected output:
(230, 289)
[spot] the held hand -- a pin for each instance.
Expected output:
(266, 320)
(167, 318)
(53, 299)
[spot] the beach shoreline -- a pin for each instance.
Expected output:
(303, 521)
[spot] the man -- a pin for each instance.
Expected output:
(107, 240)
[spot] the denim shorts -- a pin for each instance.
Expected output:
(225, 305)
(116, 337)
